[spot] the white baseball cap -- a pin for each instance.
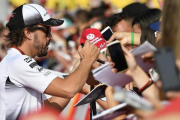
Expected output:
(30, 14)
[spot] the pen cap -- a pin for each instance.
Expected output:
(95, 37)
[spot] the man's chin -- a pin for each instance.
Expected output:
(42, 54)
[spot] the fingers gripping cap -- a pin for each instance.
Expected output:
(95, 37)
(30, 14)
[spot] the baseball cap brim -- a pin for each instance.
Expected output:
(52, 22)
(155, 26)
(104, 49)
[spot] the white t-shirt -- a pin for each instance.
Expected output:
(2, 96)
(22, 92)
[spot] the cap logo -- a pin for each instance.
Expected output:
(95, 37)
(13, 13)
(12, 16)
(90, 36)
(103, 45)
(45, 14)
(54, 21)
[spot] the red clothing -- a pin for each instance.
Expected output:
(173, 107)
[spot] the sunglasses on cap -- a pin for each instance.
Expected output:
(46, 30)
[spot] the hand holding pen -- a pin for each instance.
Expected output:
(100, 61)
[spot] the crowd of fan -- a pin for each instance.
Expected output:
(66, 37)
(137, 18)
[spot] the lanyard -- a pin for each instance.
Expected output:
(19, 50)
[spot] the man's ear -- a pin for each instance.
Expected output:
(28, 34)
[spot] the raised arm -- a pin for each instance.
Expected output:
(125, 38)
(72, 84)
(139, 76)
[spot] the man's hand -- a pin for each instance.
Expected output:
(129, 86)
(125, 38)
(131, 62)
(89, 52)
(97, 64)
(173, 94)
(142, 114)
(148, 57)
(86, 89)
(121, 36)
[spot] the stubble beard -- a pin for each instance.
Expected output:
(41, 49)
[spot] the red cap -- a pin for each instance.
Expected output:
(95, 37)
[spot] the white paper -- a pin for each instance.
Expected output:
(139, 51)
(127, 100)
(104, 74)
(107, 77)
(110, 113)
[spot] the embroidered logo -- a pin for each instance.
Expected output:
(90, 36)
(47, 73)
(13, 14)
(54, 21)
(28, 59)
(45, 14)
(39, 68)
(32, 65)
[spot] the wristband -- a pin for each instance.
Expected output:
(132, 38)
(149, 83)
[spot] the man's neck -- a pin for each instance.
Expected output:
(27, 49)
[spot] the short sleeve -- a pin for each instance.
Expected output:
(25, 72)
(59, 74)
(46, 96)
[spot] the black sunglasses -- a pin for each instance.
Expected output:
(46, 30)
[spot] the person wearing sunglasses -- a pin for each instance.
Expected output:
(23, 83)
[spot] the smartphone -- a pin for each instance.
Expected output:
(117, 56)
(107, 33)
(165, 62)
